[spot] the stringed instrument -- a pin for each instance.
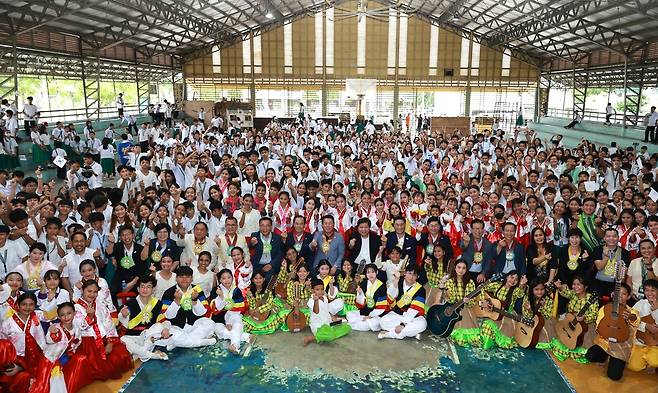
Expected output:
(441, 318)
(487, 307)
(526, 330)
(261, 316)
(296, 320)
(613, 326)
(281, 288)
(351, 288)
(645, 337)
(569, 330)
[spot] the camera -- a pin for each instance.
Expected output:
(86, 172)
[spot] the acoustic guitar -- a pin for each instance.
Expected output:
(441, 318)
(613, 326)
(487, 306)
(281, 288)
(526, 330)
(570, 331)
(296, 320)
(261, 316)
(645, 337)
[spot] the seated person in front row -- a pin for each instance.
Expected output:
(618, 352)
(644, 355)
(335, 304)
(322, 327)
(407, 301)
(370, 301)
(184, 306)
(227, 306)
(144, 322)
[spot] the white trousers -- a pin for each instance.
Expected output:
(336, 305)
(357, 322)
(141, 347)
(197, 335)
(236, 335)
(391, 320)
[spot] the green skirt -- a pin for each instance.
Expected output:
(274, 321)
(8, 161)
(108, 165)
(41, 156)
(487, 336)
(350, 303)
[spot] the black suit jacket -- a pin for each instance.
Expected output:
(374, 241)
(443, 241)
(140, 268)
(408, 246)
(305, 252)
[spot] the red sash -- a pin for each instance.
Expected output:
(341, 227)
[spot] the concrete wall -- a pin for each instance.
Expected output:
(189, 108)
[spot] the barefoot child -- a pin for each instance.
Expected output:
(324, 330)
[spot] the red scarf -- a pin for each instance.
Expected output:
(307, 222)
(341, 227)
(93, 322)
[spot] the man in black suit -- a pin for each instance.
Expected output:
(267, 248)
(478, 252)
(300, 240)
(364, 244)
(127, 258)
(401, 239)
(435, 238)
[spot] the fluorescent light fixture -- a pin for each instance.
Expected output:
(269, 15)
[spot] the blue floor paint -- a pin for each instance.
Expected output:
(214, 369)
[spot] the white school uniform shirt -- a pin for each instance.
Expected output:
(59, 152)
(51, 254)
(150, 179)
(107, 153)
(250, 222)
(323, 317)
(203, 187)
(72, 268)
(130, 187)
(10, 258)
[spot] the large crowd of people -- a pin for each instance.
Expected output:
(161, 237)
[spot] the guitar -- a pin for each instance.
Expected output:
(487, 306)
(281, 288)
(645, 337)
(261, 316)
(296, 320)
(613, 326)
(526, 331)
(570, 331)
(351, 288)
(441, 318)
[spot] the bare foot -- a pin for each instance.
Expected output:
(308, 340)
(233, 350)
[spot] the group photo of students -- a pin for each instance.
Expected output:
(204, 233)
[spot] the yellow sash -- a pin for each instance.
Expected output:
(144, 315)
(408, 296)
(370, 293)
